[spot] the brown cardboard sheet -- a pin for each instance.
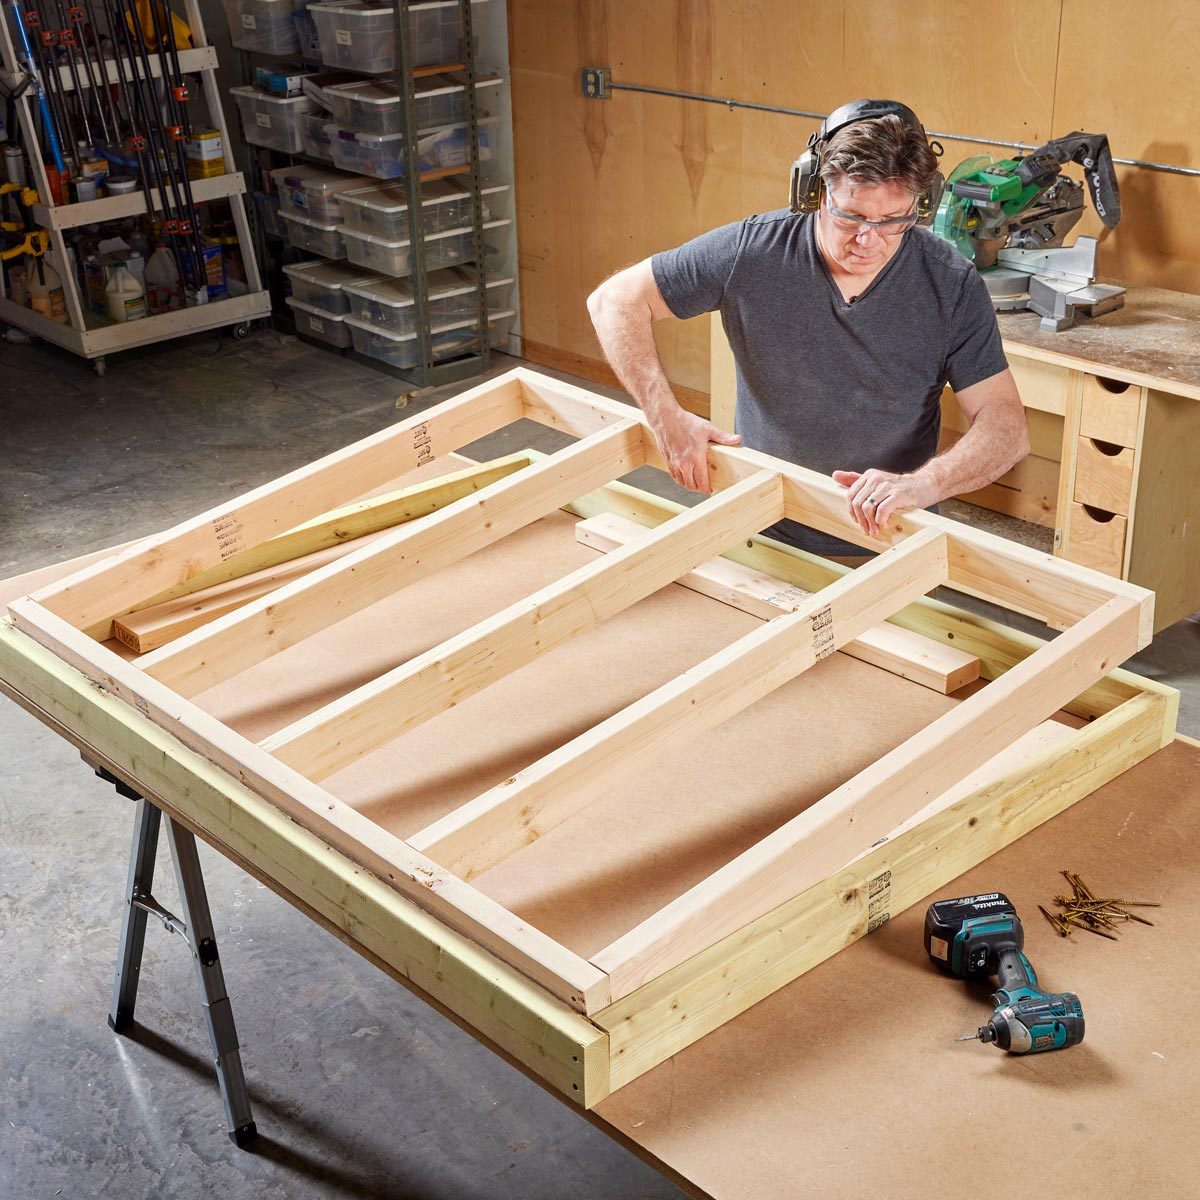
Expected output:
(847, 1083)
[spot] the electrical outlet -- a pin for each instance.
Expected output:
(595, 81)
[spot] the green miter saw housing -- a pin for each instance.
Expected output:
(1010, 217)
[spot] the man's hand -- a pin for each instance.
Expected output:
(683, 439)
(874, 496)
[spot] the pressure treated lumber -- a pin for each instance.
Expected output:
(333, 736)
(288, 615)
(90, 599)
(943, 668)
(499, 1002)
(1031, 781)
(825, 836)
(348, 523)
(486, 830)
(465, 909)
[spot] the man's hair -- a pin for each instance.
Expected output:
(882, 150)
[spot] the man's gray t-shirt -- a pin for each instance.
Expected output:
(827, 383)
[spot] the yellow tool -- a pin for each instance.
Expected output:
(36, 241)
(145, 18)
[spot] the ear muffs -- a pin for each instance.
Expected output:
(805, 186)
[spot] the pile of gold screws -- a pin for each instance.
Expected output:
(1085, 910)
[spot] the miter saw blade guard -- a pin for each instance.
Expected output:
(1010, 218)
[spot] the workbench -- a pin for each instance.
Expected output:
(846, 1080)
(1114, 422)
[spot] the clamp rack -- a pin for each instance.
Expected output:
(92, 338)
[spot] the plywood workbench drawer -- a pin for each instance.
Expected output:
(1110, 410)
(1043, 386)
(1104, 475)
(1097, 539)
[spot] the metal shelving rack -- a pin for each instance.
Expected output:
(429, 373)
(97, 340)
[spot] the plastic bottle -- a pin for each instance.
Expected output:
(18, 289)
(136, 265)
(164, 289)
(46, 291)
(126, 297)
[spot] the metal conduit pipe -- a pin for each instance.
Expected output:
(609, 86)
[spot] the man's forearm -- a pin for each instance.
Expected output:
(994, 444)
(627, 338)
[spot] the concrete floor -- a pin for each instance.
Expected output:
(359, 1089)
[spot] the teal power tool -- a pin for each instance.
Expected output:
(982, 935)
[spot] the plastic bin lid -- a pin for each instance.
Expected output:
(393, 197)
(448, 327)
(357, 9)
(319, 179)
(299, 220)
(330, 274)
(398, 293)
(395, 245)
(388, 90)
(252, 93)
(292, 302)
(359, 135)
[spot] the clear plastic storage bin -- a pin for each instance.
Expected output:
(326, 327)
(323, 284)
(306, 32)
(377, 106)
(314, 141)
(265, 26)
(272, 121)
(312, 236)
(382, 210)
(395, 257)
(383, 156)
(268, 214)
(404, 349)
(389, 303)
(362, 37)
(312, 191)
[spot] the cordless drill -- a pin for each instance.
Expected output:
(981, 935)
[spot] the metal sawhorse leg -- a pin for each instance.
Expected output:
(196, 928)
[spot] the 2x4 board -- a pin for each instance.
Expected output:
(971, 781)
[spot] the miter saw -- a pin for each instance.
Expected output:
(1010, 218)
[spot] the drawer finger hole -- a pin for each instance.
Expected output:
(1100, 515)
(1109, 449)
(1116, 386)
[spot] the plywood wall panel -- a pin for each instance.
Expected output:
(602, 185)
(959, 66)
(1137, 78)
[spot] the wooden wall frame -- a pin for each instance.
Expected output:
(816, 882)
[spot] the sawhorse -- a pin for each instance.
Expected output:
(196, 928)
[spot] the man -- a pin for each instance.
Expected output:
(845, 322)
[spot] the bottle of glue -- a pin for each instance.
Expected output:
(164, 288)
(125, 296)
